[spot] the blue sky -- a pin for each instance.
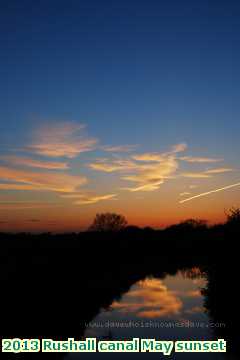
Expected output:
(151, 73)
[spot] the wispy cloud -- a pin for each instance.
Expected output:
(25, 161)
(156, 156)
(206, 173)
(147, 170)
(88, 198)
(209, 192)
(8, 186)
(119, 148)
(193, 186)
(146, 186)
(148, 177)
(178, 148)
(218, 170)
(20, 205)
(53, 181)
(116, 165)
(184, 193)
(152, 177)
(196, 175)
(196, 159)
(152, 156)
(141, 172)
(62, 139)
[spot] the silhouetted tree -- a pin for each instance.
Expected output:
(108, 222)
(233, 216)
(132, 229)
(194, 224)
(189, 225)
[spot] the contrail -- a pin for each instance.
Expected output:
(209, 192)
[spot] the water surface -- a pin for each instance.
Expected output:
(171, 308)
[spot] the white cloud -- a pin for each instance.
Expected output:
(206, 173)
(147, 170)
(178, 148)
(20, 205)
(218, 171)
(62, 139)
(119, 148)
(86, 197)
(196, 175)
(30, 180)
(184, 193)
(26, 161)
(196, 159)
(109, 166)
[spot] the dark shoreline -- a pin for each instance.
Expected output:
(46, 275)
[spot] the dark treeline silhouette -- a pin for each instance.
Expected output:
(53, 284)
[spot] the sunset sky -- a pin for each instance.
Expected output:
(120, 106)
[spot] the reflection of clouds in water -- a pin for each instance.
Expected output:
(198, 281)
(194, 310)
(192, 293)
(174, 304)
(150, 299)
(194, 273)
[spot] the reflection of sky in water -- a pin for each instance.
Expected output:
(164, 309)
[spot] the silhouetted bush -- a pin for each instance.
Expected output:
(108, 222)
(233, 217)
